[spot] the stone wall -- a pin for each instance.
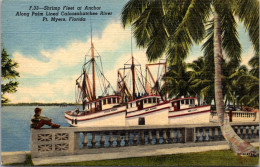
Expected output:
(69, 141)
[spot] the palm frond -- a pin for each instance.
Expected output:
(248, 12)
(133, 10)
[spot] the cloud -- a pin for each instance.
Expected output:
(59, 91)
(111, 39)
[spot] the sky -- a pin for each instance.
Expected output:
(51, 54)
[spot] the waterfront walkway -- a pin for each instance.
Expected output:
(135, 151)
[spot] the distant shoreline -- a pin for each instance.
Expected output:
(40, 104)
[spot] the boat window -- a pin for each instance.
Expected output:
(158, 100)
(145, 100)
(149, 100)
(105, 101)
(117, 100)
(109, 101)
(182, 102)
(114, 100)
(187, 101)
(90, 105)
(172, 104)
(154, 100)
(130, 105)
(191, 101)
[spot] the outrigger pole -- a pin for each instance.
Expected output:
(165, 80)
(127, 92)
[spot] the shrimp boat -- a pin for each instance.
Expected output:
(149, 107)
(106, 110)
(188, 111)
(154, 108)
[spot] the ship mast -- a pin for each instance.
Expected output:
(133, 68)
(133, 75)
(93, 71)
(93, 67)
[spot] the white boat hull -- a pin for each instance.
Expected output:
(110, 117)
(155, 115)
(194, 115)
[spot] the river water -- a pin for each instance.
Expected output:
(15, 124)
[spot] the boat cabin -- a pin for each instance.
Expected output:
(102, 103)
(183, 103)
(143, 102)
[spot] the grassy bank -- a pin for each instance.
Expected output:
(209, 158)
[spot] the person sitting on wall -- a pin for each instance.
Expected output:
(38, 121)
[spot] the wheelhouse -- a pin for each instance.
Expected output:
(183, 103)
(102, 103)
(144, 102)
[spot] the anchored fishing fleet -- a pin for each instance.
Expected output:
(138, 99)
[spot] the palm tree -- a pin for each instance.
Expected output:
(251, 83)
(202, 79)
(172, 26)
(179, 81)
(232, 87)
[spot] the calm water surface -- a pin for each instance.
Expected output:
(15, 124)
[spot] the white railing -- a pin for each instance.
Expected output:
(68, 141)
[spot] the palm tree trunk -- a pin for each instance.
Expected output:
(235, 142)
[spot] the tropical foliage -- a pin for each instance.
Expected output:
(240, 86)
(8, 77)
(171, 27)
(179, 81)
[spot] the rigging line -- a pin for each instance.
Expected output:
(79, 77)
(142, 75)
(87, 54)
(99, 56)
(128, 61)
(87, 63)
(105, 77)
(101, 64)
(137, 61)
(141, 84)
(137, 86)
(101, 73)
(101, 85)
(101, 80)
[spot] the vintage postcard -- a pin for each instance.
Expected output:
(130, 82)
